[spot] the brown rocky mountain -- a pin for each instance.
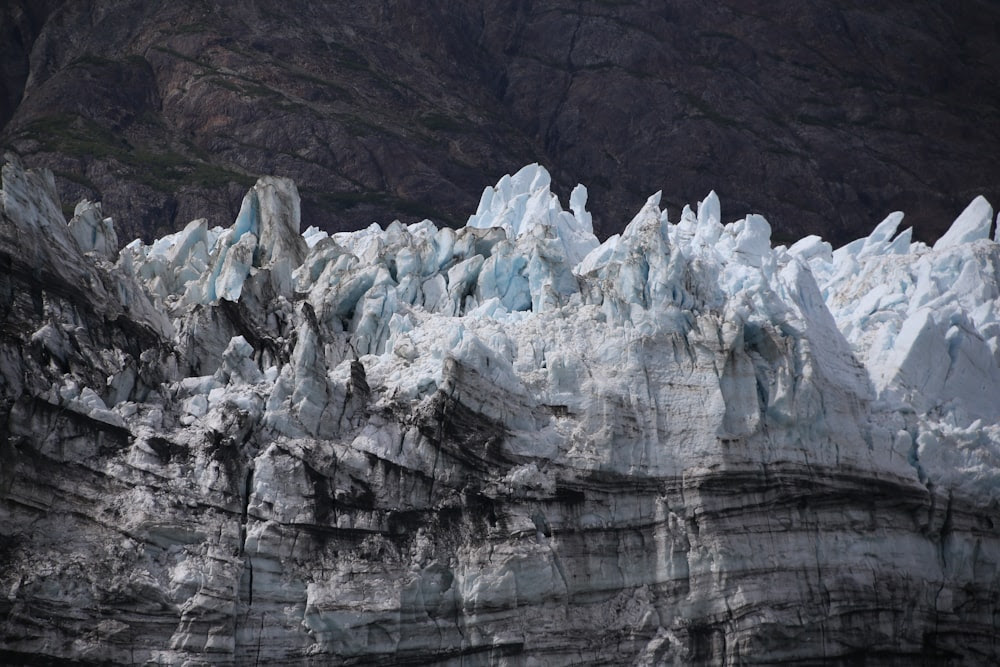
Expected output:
(824, 116)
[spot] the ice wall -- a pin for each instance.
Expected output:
(507, 443)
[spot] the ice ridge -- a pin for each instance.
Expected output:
(911, 327)
(418, 443)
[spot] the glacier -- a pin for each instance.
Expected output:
(509, 443)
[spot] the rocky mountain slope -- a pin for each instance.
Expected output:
(818, 115)
(506, 444)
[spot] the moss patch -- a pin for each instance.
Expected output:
(163, 170)
(439, 122)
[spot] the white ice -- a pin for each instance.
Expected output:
(527, 296)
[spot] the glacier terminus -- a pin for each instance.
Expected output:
(506, 444)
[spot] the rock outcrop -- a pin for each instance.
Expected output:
(505, 444)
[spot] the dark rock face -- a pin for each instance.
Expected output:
(823, 116)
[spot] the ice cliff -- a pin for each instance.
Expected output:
(503, 444)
